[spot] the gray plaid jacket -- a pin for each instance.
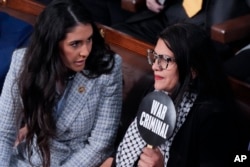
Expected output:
(86, 128)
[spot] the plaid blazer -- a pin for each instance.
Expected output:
(86, 128)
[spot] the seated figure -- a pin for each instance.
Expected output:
(147, 24)
(187, 68)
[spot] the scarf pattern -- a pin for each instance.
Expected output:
(131, 147)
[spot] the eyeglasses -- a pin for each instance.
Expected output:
(162, 60)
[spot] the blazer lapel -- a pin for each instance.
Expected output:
(75, 101)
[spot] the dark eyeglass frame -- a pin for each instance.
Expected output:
(159, 58)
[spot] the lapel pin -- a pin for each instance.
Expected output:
(81, 89)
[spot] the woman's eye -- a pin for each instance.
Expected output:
(74, 44)
(89, 40)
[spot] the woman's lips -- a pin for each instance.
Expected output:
(157, 77)
(80, 62)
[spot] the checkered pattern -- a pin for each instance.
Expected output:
(183, 110)
(130, 148)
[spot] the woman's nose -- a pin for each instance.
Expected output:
(155, 66)
(84, 51)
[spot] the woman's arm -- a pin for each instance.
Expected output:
(9, 106)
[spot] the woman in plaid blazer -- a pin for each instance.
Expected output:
(66, 87)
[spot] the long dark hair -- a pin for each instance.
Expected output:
(43, 67)
(194, 49)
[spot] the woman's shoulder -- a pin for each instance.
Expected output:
(118, 60)
(117, 64)
(209, 104)
(17, 57)
(208, 107)
(18, 54)
(115, 73)
(114, 62)
(20, 51)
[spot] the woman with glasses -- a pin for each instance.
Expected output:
(66, 88)
(186, 68)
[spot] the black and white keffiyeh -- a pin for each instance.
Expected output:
(132, 144)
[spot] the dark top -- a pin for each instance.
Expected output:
(210, 136)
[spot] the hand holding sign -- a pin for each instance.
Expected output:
(156, 118)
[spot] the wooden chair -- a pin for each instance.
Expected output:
(234, 32)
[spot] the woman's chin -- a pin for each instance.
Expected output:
(159, 86)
